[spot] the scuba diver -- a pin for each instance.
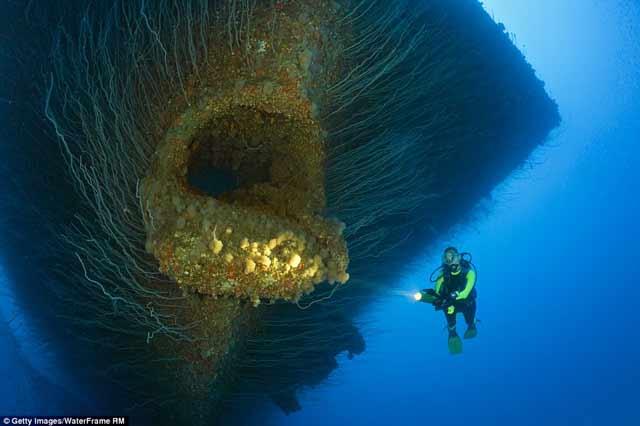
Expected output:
(454, 292)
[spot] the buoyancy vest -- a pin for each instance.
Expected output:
(455, 282)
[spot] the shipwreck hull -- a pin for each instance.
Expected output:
(352, 134)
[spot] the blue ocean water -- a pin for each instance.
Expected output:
(554, 248)
(556, 253)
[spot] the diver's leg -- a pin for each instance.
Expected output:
(454, 342)
(451, 323)
(469, 313)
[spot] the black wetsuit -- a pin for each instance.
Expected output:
(449, 283)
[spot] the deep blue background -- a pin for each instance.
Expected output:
(557, 259)
(557, 256)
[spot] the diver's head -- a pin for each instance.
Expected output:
(451, 258)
